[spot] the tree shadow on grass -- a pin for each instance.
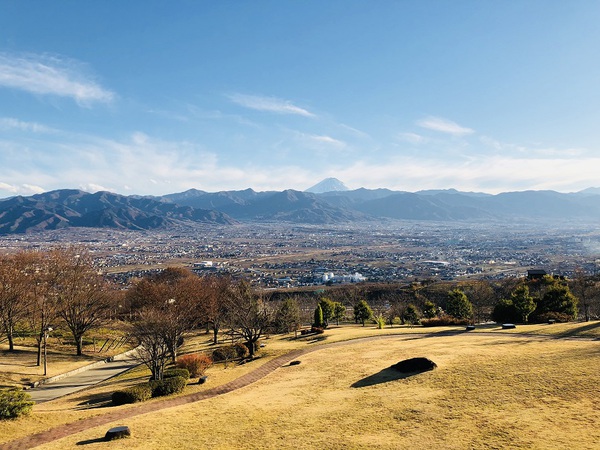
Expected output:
(384, 376)
(96, 401)
(316, 339)
(580, 329)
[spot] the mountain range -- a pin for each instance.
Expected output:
(75, 208)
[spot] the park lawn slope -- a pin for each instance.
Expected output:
(488, 391)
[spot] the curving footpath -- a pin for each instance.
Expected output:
(68, 429)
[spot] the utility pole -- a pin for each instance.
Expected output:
(46, 331)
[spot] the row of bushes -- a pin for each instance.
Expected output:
(173, 382)
(443, 320)
(175, 379)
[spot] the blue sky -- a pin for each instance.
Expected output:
(148, 97)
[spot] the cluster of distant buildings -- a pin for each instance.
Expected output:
(332, 278)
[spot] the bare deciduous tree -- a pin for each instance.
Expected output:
(13, 290)
(153, 350)
(175, 294)
(41, 273)
(249, 315)
(585, 289)
(213, 304)
(82, 297)
(481, 295)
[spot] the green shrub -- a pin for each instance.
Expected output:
(225, 353)
(168, 386)
(241, 350)
(138, 393)
(443, 320)
(458, 305)
(229, 352)
(178, 372)
(14, 403)
(553, 315)
(318, 317)
(411, 315)
(505, 312)
(120, 398)
(380, 322)
(429, 309)
(196, 363)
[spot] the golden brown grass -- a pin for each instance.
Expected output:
(19, 368)
(489, 391)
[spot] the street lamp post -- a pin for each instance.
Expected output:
(46, 331)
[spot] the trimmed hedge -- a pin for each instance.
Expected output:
(443, 320)
(552, 315)
(168, 386)
(138, 393)
(179, 372)
(14, 403)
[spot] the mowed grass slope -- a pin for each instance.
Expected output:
(488, 391)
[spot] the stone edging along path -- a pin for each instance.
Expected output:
(68, 429)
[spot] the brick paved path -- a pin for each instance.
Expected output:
(84, 424)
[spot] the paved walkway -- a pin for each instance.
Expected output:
(81, 380)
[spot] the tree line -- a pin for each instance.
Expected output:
(40, 290)
(62, 289)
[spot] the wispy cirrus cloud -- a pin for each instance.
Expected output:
(539, 152)
(145, 164)
(327, 140)
(51, 75)
(444, 126)
(269, 104)
(10, 123)
(412, 138)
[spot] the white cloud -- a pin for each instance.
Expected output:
(444, 126)
(412, 138)
(93, 187)
(51, 75)
(8, 187)
(23, 189)
(327, 140)
(143, 164)
(354, 131)
(540, 152)
(269, 104)
(489, 174)
(9, 123)
(28, 189)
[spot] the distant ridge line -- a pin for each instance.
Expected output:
(68, 208)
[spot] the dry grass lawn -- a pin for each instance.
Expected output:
(19, 368)
(489, 391)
